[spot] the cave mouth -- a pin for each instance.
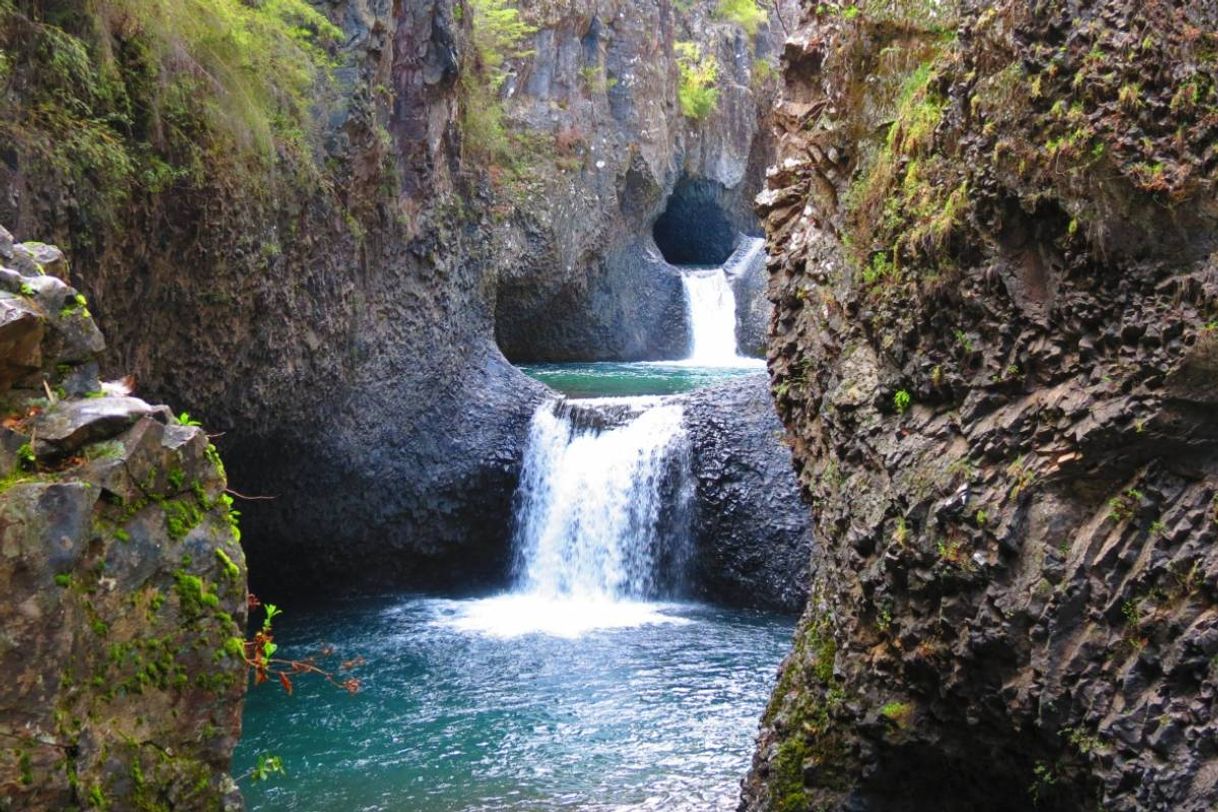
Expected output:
(694, 228)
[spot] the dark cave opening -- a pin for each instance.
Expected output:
(694, 228)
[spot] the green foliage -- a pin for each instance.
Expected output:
(763, 72)
(901, 401)
(1044, 777)
(120, 96)
(184, 419)
(497, 34)
(267, 766)
(744, 13)
(696, 92)
(899, 713)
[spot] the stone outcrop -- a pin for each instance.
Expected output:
(751, 527)
(122, 575)
(993, 349)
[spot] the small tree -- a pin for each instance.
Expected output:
(697, 93)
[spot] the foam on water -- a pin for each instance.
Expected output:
(517, 614)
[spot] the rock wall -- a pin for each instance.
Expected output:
(992, 228)
(751, 526)
(586, 279)
(122, 574)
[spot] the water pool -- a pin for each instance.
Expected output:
(507, 704)
(614, 379)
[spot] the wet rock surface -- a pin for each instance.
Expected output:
(122, 576)
(751, 526)
(999, 410)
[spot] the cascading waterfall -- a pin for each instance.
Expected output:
(712, 317)
(591, 498)
(711, 305)
(601, 521)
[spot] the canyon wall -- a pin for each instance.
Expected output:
(992, 229)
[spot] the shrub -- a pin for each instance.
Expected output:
(497, 33)
(744, 13)
(696, 93)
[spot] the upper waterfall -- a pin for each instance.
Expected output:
(711, 305)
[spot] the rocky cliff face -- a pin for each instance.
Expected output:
(359, 291)
(625, 177)
(751, 529)
(121, 570)
(992, 228)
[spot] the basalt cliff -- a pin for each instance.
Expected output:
(122, 574)
(994, 347)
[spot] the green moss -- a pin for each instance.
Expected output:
(181, 516)
(26, 767)
(194, 599)
(807, 697)
(898, 713)
(228, 565)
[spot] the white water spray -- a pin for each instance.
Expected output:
(590, 501)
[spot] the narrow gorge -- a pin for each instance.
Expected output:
(679, 405)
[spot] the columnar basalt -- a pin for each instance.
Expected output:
(991, 228)
(356, 287)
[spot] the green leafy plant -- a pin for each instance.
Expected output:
(267, 765)
(259, 655)
(696, 93)
(184, 419)
(901, 401)
(497, 34)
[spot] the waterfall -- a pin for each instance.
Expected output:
(600, 520)
(592, 498)
(711, 305)
(712, 317)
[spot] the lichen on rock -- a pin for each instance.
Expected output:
(992, 232)
(122, 574)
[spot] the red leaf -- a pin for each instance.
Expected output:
(286, 683)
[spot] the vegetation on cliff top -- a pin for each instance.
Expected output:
(124, 96)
